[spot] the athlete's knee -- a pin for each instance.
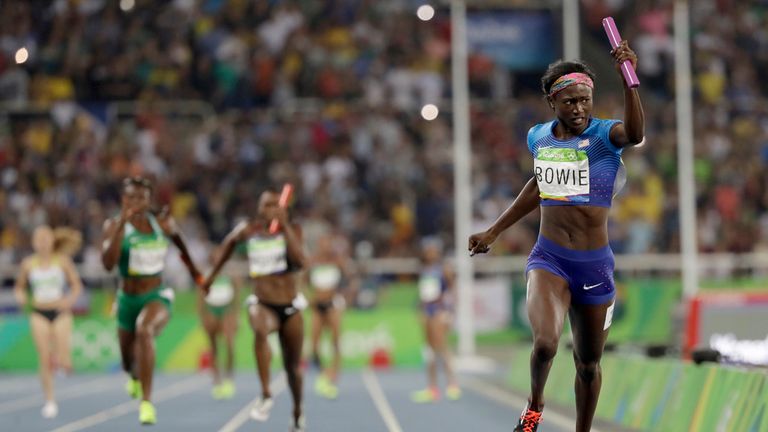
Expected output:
(545, 349)
(587, 371)
(260, 337)
(145, 333)
(44, 360)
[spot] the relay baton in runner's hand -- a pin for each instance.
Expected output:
(630, 77)
(285, 198)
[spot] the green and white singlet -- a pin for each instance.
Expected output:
(47, 283)
(143, 254)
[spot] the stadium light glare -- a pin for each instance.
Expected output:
(127, 5)
(429, 112)
(22, 55)
(425, 12)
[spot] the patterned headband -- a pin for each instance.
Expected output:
(568, 80)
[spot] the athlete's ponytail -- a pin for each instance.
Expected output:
(67, 241)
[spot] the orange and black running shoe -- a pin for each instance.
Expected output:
(529, 421)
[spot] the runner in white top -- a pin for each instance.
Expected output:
(330, 271)
(276, 303)
(436, 293)
(218, 313)
(46, 273)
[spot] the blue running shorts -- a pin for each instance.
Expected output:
(589, 273)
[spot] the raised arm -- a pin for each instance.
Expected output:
(111, 239)
(526, 202)
(294, 243)
(227, 247)
(293, 238)
(171, 229)
(632, 131)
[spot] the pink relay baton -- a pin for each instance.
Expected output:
(285, 197)
(630, 77)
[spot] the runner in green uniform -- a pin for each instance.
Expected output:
(218, 313)
(276, 304)
(136, 242)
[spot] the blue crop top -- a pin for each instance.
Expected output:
(583, 170)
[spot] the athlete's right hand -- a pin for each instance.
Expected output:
(128, 212)
(481, 242)
(204, 283)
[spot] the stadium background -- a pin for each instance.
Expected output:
(215, 99)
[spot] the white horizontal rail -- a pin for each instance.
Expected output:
(720, 263)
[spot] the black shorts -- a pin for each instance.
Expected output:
(283, 311)
(323, 307)
(49, 314)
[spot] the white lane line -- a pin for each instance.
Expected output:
(277, 385)
(380, 400)
(70, 392)
(511, 400)
(170, 392)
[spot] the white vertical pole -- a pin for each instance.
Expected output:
(462, 178)
(571, 35)
(685, 175)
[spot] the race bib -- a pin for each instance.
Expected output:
(221, 294)
(147, 257)
(47, 286)
(429, 288)
(267, 256)
(562, 174)
(325, 277)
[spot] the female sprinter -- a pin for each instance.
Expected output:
(276, 304)
(436, 284)
(329, 267)
(218, 312)
(47, 272)
(577, 162)
(136, 242)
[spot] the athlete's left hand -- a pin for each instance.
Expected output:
(281, 215)
(204, 283)
(623, 53)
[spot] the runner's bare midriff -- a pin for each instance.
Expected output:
(323, 296)
(276, 289)
(575, 227)
(138, 286)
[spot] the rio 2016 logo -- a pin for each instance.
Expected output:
(94, 344)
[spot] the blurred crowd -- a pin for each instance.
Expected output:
(217, 99)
